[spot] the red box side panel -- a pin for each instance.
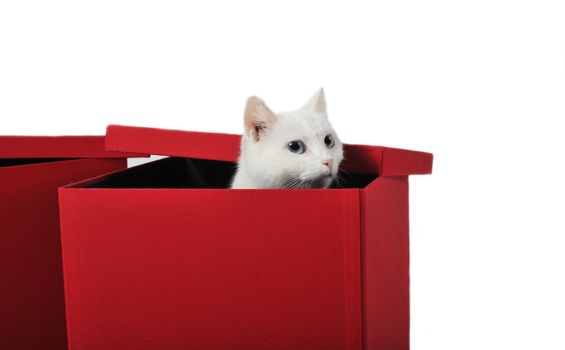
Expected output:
(385, 264)
(32, 311)
(211, 269)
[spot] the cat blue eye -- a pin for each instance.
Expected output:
(296, 146)
(329, 141)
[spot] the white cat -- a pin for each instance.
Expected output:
(297, 149)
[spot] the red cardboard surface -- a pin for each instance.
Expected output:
(385, 262)
(32, 305)
(173, 142)
(403, 162)
(56, 147)
(211, 269)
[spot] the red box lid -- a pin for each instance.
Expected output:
(56, 147)
(383, 161)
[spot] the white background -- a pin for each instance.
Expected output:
(481, 84)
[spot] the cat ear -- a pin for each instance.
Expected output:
(258, 117)
(316, 103)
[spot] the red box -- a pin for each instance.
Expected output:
(163, 256)
(32, 310)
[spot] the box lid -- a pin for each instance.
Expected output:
(56, 147)
(383, 161)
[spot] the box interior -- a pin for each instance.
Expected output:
(174, 172)
(27, 161)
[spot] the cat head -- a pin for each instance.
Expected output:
(296, 149)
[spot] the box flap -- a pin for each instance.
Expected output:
(188, 144)
(403, 162)
(386, 161)
(56, 147)
(225, 147)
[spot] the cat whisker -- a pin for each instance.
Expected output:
(298, 184)
(290, 183)
(286, 183)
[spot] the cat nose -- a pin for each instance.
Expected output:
(328, 163)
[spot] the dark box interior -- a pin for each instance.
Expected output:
(176, 172)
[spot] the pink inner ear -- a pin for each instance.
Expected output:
(258, 129)
(253, 126)
(258, 117)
